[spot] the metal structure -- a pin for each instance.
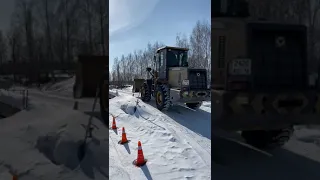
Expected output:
(173, 82)
(92, 71)
(137, 83)
(89, 71)
(260, 79)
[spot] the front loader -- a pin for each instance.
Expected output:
(173, 82)
(261, 79)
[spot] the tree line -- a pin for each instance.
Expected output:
(133, 65)
(54, 31)
(57, 31)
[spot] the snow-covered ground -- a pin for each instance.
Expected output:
(177, 143)
(44, 139)
(41, 143)
(62, 88)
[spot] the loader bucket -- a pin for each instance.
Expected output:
(137, 83)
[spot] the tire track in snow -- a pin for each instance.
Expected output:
(195, 146)
(194, 143)
(188, 134)
(191, 133)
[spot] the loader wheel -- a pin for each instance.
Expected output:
(162, 97)
(145, 93)
(104, 101)
(268, 139)
(194, 105)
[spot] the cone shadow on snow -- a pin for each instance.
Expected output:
(235, 160)
(126, 145)
(198, 121)
(115, 131)
(146, 172)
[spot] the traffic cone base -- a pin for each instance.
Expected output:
(139, 164)
(123, 142)
(140, 161)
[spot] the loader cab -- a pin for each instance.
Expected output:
(170, 57)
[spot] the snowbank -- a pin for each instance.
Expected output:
(43, 145)
(12, 98)
(64, 87)
(173, 151)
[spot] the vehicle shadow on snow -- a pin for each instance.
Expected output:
(231, 160)
(198, 121)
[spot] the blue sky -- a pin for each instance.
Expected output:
(134, 23)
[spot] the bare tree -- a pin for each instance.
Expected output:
(103, 15)
(3, 48)
(182, 40)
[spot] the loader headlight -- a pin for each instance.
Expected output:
(185, 94)
(185, 82)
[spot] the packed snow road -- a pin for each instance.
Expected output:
(177, 144)
(84, 104)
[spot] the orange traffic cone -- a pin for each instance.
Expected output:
(140, 161)
(124, 137)
(114, 126)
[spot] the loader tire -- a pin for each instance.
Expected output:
(162, 97)
(103, 99)
(268, 139)
(145, 93)
(194, 105)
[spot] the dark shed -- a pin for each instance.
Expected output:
(89, 71)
